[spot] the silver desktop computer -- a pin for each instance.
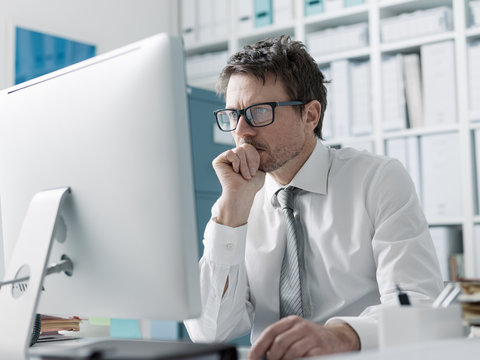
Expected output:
(96, 172)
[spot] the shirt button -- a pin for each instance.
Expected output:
(229, 246)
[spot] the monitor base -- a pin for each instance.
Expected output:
(19, 301)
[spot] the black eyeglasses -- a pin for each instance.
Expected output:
(256, 115)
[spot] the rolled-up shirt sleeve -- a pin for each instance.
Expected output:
(224, 316)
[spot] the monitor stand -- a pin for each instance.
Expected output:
(19, 301)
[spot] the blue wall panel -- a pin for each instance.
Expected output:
(202, 103)
(37, 53)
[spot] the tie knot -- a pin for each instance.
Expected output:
(286, 197)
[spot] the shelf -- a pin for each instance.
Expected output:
(421, 131)
(473, 32)
(415, 43)
(350, 140)
(265, 32)
(396, 7)
(445, 222)
(347, 16)
(374, 12)
(207, 47)
(208, 82)
(474, 125)
(347, 54)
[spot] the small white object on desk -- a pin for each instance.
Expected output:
(464, 349)
(401, 325)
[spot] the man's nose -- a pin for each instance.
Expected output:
(243, 128)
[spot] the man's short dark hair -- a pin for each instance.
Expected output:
(283, 58)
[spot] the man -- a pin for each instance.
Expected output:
(357, 222)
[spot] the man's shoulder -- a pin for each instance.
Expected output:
(356, 164)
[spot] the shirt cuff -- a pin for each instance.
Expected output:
(366, 328)
(223, 244)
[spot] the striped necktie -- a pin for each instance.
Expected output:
(291, 273)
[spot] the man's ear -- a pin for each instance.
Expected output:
(312, 113)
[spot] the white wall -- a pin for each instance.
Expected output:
(107, 24)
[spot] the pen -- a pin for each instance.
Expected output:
(447, 296)
(443, 295)
(402, 297)
(452, 296)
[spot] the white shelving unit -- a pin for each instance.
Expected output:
(373, 12)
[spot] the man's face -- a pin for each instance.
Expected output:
(277, 143)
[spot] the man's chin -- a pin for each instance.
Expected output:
(267, 162)
(267, 167)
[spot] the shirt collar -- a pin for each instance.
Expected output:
(311, 177)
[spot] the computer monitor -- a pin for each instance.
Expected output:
(115, 130)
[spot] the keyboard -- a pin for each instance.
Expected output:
(122, 349)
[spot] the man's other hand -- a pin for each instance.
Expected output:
(293, 337)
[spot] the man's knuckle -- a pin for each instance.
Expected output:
(305, 327)
(279, 342)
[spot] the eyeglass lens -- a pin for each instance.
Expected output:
(257, 115)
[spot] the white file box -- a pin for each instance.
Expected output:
(400, 325)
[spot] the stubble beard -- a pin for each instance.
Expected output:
(274, 160)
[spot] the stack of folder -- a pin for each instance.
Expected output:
(53, 324)
(417, 23)
(470, 301)
(335, 39)
(474, 12)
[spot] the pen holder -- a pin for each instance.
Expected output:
(400, 325)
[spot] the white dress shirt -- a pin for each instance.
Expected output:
(364, 232)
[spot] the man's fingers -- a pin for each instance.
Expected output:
(284, 344)
(301, 347)
(293, 337)
(244, 169)
(232, 158)
(244, 160)
(267, 337)
(253, 158)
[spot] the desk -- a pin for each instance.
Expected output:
(456, 349)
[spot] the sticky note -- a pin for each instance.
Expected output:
(164, 330)
(99, 321)
(125, 328)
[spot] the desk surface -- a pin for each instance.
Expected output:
(457, 349)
